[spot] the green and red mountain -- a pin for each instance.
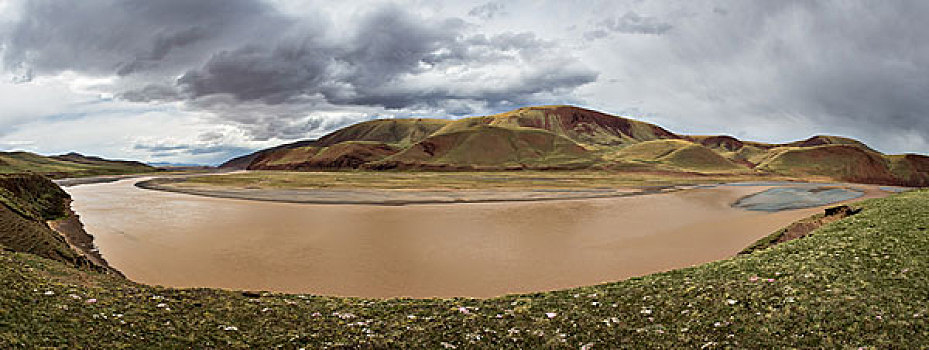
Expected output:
(567, 137)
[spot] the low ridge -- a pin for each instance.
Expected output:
(67, 165)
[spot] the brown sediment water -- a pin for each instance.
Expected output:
(475, 250)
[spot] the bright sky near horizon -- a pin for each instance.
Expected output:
(185, 81)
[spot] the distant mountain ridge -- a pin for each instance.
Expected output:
(67, 165)
(568, 137)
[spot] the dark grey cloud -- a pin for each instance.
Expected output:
(388, 45)
(253, 73)
(159, 148)
(212, 154)
(248, 63)
(163, 45)
(488, 10)
(629, 23)
(127, 36)
(842, 67)
(152, 93)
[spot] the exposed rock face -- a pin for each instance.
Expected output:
(841, 210)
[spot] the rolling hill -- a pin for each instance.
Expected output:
(67, 165)
(568, 138)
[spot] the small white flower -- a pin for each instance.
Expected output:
(731, 301)
(230, 328)
(48, 292)
(550, 314)
(646, 311)
(161, 305)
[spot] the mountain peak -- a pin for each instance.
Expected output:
(571, 137)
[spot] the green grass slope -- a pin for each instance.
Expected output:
(392, 133)
(68, 165)
(820, 140)
(700, 158)
(27, 201)
(860, 282)
(491, 147)
(651, 150)
(910, 169)
(398, 132)
(677, 154)
(580, 125)
(343, 155)
(33, 196)
(844, 162)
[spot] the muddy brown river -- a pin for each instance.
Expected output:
(476, 250)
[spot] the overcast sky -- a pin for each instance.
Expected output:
(188, 81)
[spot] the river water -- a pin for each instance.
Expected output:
(476, 250)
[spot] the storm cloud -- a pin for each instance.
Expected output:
(254, 73)
(249, 51)
(838, 67)
(127, 36)
(630, 23)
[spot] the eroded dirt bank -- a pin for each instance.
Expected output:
(72, 230)
(36, 217)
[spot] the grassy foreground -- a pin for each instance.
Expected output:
(859, 282)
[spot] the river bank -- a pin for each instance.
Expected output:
(422, 250)
(854, 283)
(393, 197)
